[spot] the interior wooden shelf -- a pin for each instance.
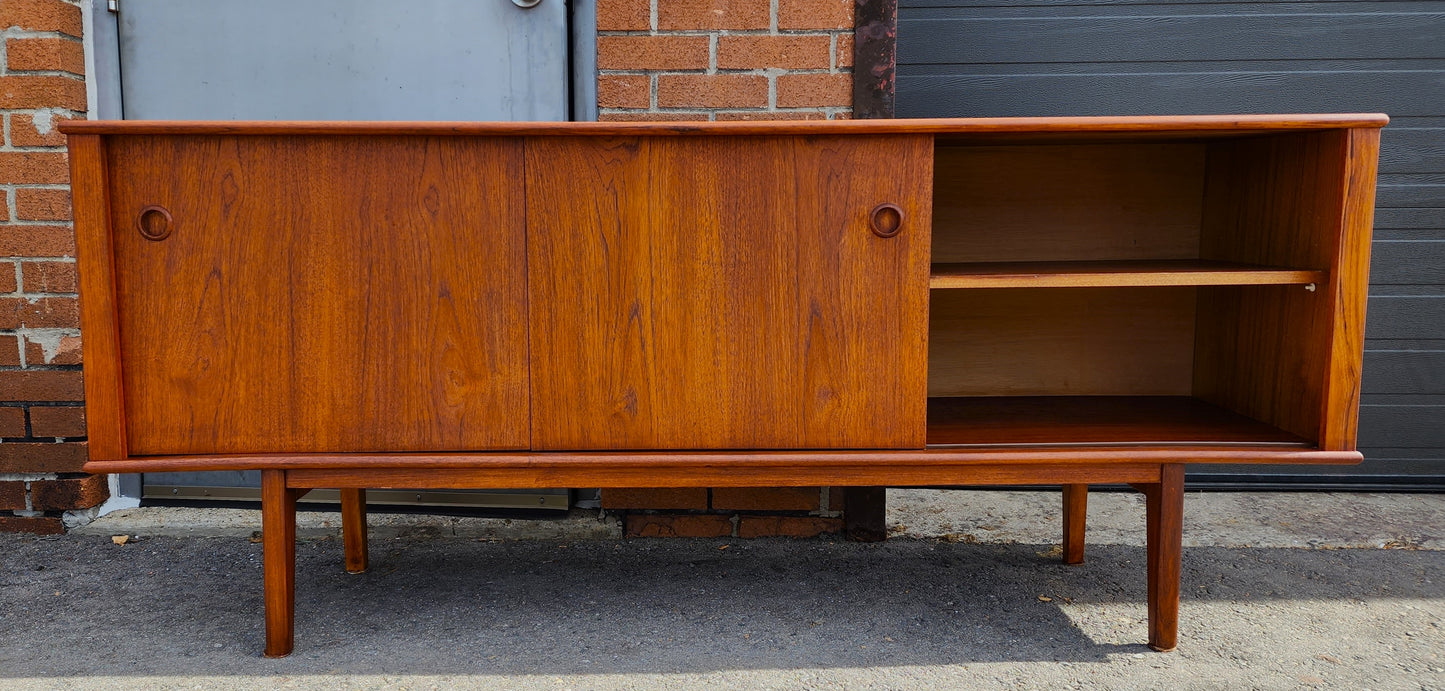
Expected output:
(1093, 421)
(1066, 274)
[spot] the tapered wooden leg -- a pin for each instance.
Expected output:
(278, 542)
(1165, 510)
(1076, 505)
(353, 528)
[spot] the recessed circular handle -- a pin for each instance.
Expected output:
(526, 4)
(886, 219)
(153, 222)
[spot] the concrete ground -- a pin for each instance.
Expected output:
(1280, 591)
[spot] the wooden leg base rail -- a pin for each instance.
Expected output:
(1165, 501)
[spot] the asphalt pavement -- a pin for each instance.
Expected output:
(1280, 591)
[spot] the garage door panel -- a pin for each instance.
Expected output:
(1404, 372)
(1408, 192)
(1408, 262)
(1160, 57)
(1413, 427)
(1169, 34)
(1168, 92)
(1412, 150)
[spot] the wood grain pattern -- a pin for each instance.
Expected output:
(1106, 126)
(737, 468)
(1098, 202)
(1101, 274)
(353, 529)
(105, 421)
(322, 294)
(278, 546)
(1164, 516)
(1061, 341)
(1067, 420)
(1264, 350)
(725, 293)
(863, 300)
(977, 474)
(1339, 420)
(1076, 511)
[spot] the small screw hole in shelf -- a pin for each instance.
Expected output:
(153, 222)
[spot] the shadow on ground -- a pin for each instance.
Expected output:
(167, 606)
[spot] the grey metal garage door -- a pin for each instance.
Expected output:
(1123, 57)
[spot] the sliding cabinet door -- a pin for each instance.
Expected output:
(728, 292)
(320, 294)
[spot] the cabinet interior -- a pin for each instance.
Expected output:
(1164, 290)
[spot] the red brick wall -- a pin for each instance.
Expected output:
(42, 421)
(728, 511)
(657, 59)
(725, 60)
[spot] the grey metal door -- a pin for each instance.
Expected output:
(338, 60)
(343, 60)
(1126, 57)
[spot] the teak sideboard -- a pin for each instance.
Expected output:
(1020, 301)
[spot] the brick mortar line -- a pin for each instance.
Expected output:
(34, 149)
(722, 109)
(741, 72)
(28, 222)
(12, 112)
(31, 334)
(728, 32)
(16, 32)
(44, 73)
(36, 111)
(7, 144)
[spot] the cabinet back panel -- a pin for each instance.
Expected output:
(1061, 342)
(1071, 202)
(321, 293)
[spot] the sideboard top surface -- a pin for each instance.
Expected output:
(1186, 125)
